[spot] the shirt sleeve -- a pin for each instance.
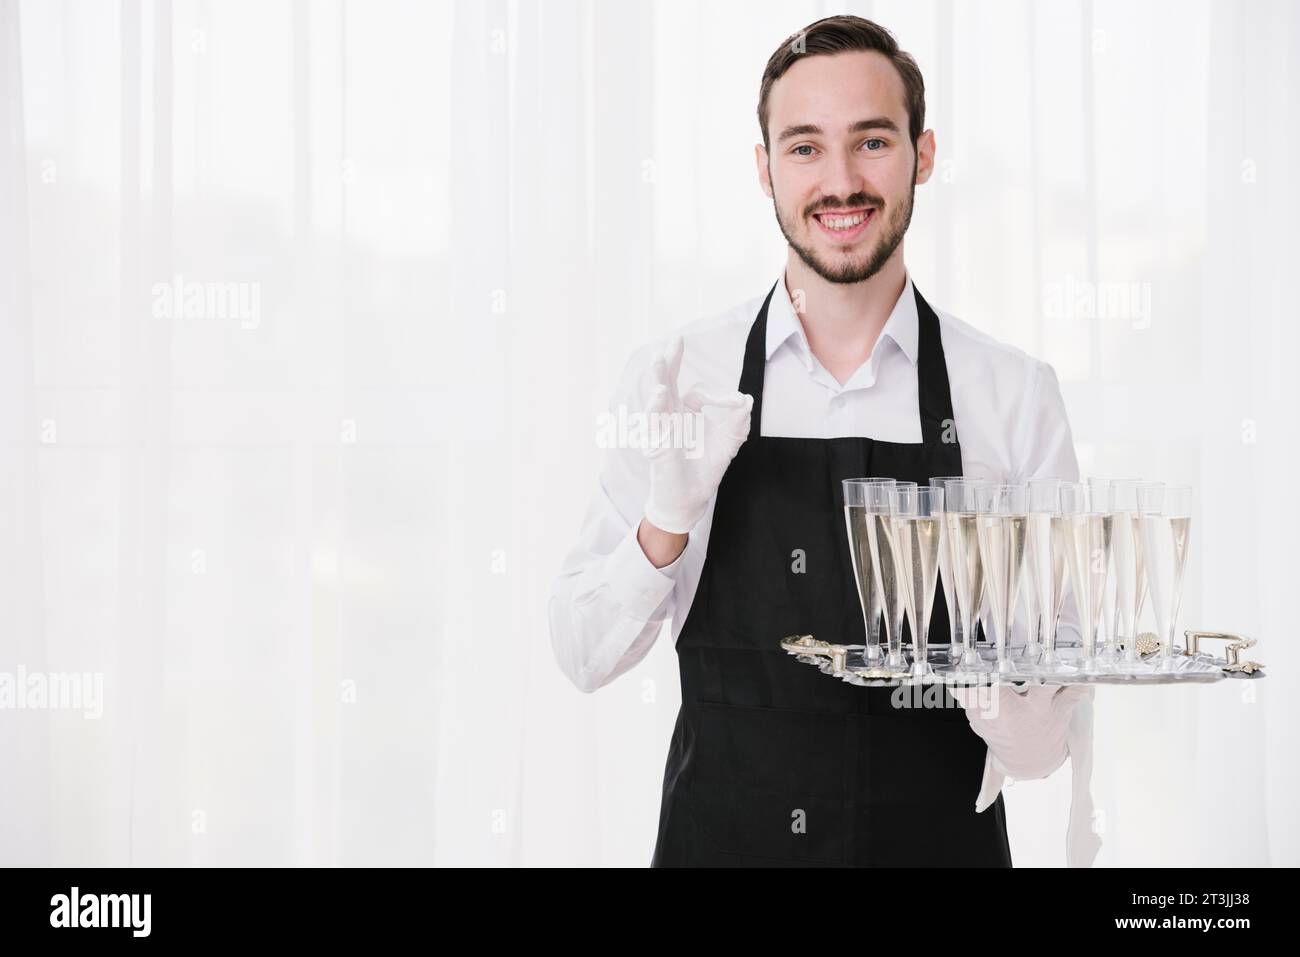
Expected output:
(609, 602)
(1044, 444)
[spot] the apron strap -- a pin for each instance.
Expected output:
(938, 424)
(751, 372)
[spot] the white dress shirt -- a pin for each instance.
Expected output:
(609, 603)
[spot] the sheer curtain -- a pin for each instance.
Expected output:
(308, 311)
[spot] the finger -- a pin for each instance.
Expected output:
(1070, 695)
(963, 696)
(735, 422)
(673, 360)
(659, 371)
(698, 398)
(983, 703)
(660, 402)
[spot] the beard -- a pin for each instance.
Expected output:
(850, 266)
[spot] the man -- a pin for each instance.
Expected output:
(736, 531)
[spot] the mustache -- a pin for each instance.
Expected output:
(854, 201)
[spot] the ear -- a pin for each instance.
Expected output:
(760, 160)
(924, 157)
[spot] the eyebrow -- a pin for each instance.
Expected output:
(861, 126)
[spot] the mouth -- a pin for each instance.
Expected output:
(845, 225)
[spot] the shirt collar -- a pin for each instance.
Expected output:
(782, 323)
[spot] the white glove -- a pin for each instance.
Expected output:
(682, 480)
(1025, 730)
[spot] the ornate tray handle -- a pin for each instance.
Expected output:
(1232, 654)
(808, 645)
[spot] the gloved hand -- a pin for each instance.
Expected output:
(1025, 729)
(682, 480)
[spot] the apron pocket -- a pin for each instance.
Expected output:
(770, 783)
(912, 759)
(922, 772)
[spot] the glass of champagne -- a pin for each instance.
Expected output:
(1158, 498)
(855, 519)
(1002, 523)
(1046, 570)
(947, 583)
(1165, 515)
(918, 536)
(882, 506)
(1086, 524)
(968, 572)
(1100, 490)
(1130, 575)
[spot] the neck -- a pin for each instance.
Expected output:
(843, 320)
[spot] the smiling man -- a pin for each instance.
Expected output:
(841, 369)
(810, 169)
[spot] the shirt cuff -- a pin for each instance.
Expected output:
(635, 583)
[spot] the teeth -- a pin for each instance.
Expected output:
(842, 222)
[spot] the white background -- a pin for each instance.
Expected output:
(311, 556)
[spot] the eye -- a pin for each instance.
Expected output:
(875, 149)
(802, 146)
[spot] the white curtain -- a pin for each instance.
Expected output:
(304, 533)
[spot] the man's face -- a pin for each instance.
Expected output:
(842, 170)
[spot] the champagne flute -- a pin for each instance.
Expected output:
(968, 572)
(1100, 490)
(1002, 525)
(918, 535)
(881, 507)
(1046, 570)
(1085, 526)
(1145, 592)
(855, 519)
(947, 583)
(1166, 518)
(1129, 572)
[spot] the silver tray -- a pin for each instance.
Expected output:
(1192, 663)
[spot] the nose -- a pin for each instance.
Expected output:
(842, 177)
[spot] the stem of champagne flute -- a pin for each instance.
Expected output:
(968, 623)
(1049, 640)
(1004, 644)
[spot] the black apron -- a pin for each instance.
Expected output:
(771, 761)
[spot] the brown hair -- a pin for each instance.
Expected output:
(841, 34)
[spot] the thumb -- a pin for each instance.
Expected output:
(735, 423)
(660, 400)
(1070, 695)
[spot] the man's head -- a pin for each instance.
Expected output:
(842, 110)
